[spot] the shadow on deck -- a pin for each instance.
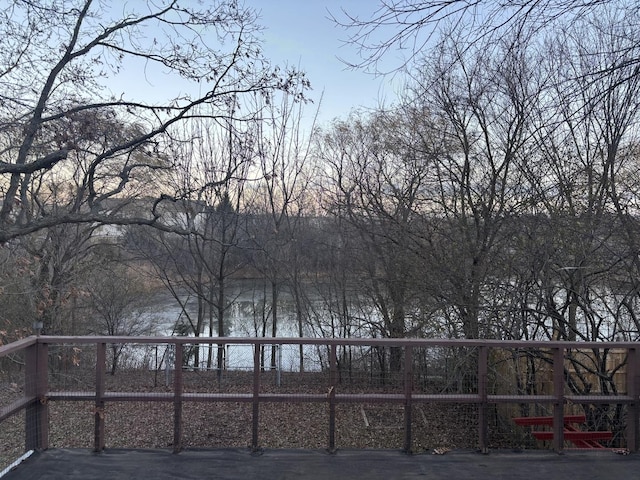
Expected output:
(229, 464)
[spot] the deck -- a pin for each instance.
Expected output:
(227, 464)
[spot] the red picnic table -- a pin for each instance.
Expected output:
(580, 438)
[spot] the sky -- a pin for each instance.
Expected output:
(300, 33)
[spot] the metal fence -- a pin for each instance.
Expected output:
(411, 394)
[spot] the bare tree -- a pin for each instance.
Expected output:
(117, 300)
(16, 275)
(583, 161)
(278, 202)
(62, 263)
(57, 59)
(481, 100)
(198, 267)
(377, 182)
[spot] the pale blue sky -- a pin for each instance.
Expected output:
(299, 32)
(296, 33)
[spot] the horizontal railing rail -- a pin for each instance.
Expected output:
(37, 392)
(396, 342)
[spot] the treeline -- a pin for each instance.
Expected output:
(496, 199)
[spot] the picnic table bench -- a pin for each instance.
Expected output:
(580, 438)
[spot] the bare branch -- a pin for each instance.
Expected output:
(411, 26)
(66, 145)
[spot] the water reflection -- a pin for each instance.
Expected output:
(249, 314)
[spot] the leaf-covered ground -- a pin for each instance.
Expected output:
(229, 424)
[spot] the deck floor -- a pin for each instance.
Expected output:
(224, 464)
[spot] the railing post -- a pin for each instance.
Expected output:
(408, 391)
(101, 360)
(483, 407)
(558, 406)
(177, 398)
(36, 385)
(333, 383)
(633, 390)
(256, 399)
(279, 365)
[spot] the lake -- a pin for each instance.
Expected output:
(251, 303)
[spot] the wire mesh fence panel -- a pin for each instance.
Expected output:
(231, 356)
(230, 382)
(240, 357)
(303, 383)
(576, 378)
(300, 358)
(12, 378)
(287, 425)
(596, 371)
(71, 368)
(520, 371)
(216, 424)
(445, 370)
(444, 426)
(15, 383)
(71, 424)
(138, 368)
(429, 372)
(296, 371)
(614, 418)
(12, 432)
(138, 424)
(529, 426)
(211, 374)
(370, 369)
(367, 425)
(608, 419)
(505, 433)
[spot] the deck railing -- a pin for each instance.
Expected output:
(485, 374)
